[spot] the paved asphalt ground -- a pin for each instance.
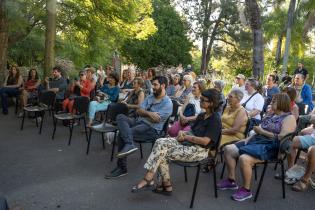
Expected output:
(38, 173)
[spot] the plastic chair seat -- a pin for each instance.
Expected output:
(104, 128)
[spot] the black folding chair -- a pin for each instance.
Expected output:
(174, 115)
(152, 139)
(209, 161)
(46, 103)
(108, 124)
(279, 160)
(81, 106)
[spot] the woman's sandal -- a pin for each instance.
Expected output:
(163, 190)
(148, 186)
(300, 186)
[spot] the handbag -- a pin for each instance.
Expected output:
(261, 147)
(189, 111)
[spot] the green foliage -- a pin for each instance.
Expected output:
(168, 46)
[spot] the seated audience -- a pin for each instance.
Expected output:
(304, 182)
(135, 97)
(151, 74)
(123, 78)
(30, 88)
(111, 91)
(305, 140)
(234, 118)
(80, 87)
(153, 113)
(11, 87)
(219, 86)
(189, 111)
(185, 90)
(304, 92)
(253, 102)
(189, 146)
(240, 83)
(269, 90)
(264, 145)
(174, 85)
(57, 83)
(128, 84)
(294, 108)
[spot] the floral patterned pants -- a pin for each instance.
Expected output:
(166, 149)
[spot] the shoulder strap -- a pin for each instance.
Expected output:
(244, 104)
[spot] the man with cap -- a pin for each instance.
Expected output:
(240, 83)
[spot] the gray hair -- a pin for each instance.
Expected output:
(237, 93)
(219, 84)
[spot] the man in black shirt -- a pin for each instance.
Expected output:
(301, 70)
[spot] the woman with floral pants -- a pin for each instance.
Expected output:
(188, 146)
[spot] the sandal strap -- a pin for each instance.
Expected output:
(147, 181)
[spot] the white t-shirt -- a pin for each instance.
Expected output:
(196, 102)
(242, 88)
(256, 102)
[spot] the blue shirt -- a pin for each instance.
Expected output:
(164, 107)
(112, 92)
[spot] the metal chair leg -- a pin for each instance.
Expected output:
(222, 171)
(215, 180)
(195, 187)
(260, 181)
(282, 179)
(22, 124)
(297, 156)
(141, 153)
(103, 141)
(255, 170)
(41, 122)
(71, 130)
(89, 141)
(85, 130)
(36, 120)
(113, 148)
(55, 127)
(185, 172)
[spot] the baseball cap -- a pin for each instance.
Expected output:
(240, 76)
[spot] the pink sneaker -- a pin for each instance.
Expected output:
(226, 184)
(242, 194)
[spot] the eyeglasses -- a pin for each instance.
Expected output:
(203, 100)
(81, 75)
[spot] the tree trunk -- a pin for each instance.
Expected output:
(258, 44)
(288, 37)
(4, 31)
(205, 35)
(212, 38)
(278, 52)
(50, 36)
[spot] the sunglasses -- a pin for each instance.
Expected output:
(203, 100)
(81, 75)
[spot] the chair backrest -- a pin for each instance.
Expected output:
(175, 108)
(248, 127)
(216, 146)
(81, 104)
(165, 128)
(47, 98)
(115, 109)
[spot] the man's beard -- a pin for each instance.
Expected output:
(157, 92)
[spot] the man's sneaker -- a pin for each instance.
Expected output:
(116, 173)
(127, 150)
(226, 184)
(242, 194)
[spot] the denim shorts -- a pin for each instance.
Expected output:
(306, 141)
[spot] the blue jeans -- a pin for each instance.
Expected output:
(6, 92)
(96, 107)
(130, 128)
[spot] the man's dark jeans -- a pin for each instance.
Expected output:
(6, 92)
(130, 128)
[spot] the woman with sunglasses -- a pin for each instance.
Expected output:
(189, 146)
(80, 87)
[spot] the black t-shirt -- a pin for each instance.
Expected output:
(301, 71)
(210, 127)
